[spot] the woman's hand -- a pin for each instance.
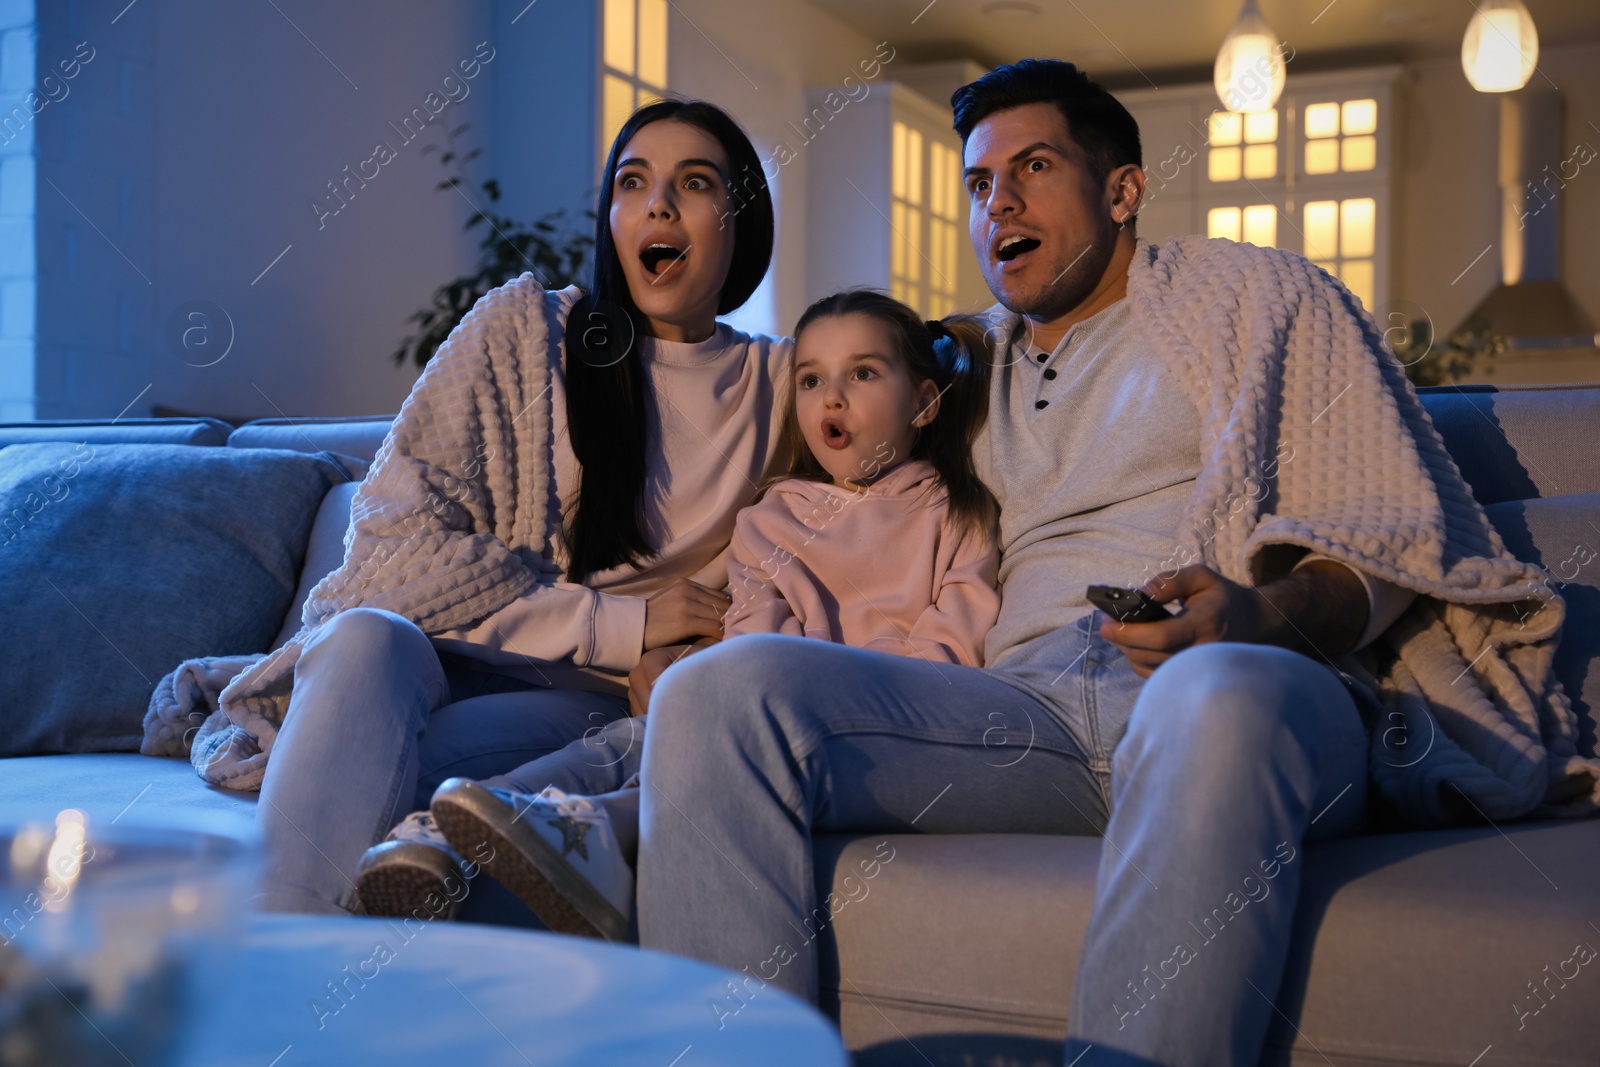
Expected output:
(642, 679)
(682, 612)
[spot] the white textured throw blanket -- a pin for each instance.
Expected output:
(1275, 354)
(449, 525)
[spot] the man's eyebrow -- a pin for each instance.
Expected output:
(1019, 156)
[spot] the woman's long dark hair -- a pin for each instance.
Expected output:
(608, 391)
(949, 352)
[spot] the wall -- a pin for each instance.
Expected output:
(18, 78)
(1449, 200)
(193, 162)
(95, 236)
(256, 121)
(759, 68)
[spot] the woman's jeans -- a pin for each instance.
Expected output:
(376, 721)
(1205, 781)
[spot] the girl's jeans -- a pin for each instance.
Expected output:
(376, 721)
(1204, 780)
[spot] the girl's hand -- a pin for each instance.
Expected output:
(682, 612)
(642, 679)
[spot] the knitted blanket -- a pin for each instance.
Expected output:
(447, 527)
(1283, 362)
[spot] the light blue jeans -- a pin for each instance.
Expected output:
(1202, 779)
(376, 721)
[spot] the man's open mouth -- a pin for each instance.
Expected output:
(659, 257)
(1014, 246)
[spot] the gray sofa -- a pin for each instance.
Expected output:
(1411, 948)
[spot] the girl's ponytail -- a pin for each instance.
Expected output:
(960, 343)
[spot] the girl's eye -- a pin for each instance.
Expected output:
(863, 373)
(807, 381)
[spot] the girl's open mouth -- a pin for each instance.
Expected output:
(659, 258)
(835, 435)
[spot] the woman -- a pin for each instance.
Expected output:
(556, 498)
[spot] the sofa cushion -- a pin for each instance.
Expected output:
(1516, 444)
(357, 436)
(1408, 948)
(196, 431)
(119, 561)
(324, 552)
(108, 786)
(1562, 535)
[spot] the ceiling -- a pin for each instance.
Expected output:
(1126, 43)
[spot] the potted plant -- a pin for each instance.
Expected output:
(508, 249)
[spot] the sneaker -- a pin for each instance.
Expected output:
(413, 873)
(555, 851)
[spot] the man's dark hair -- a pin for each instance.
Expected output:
(1097, 121)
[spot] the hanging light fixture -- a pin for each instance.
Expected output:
(1250, 68)
(1501, 47)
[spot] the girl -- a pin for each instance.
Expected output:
(878, 534)
(544, 510)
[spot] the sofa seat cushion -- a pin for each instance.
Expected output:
(110, 785)
(122, 560)
(1409, 948)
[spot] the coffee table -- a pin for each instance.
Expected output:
(310, 990)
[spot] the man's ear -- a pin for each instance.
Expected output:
(1125, 190)
(927, 403)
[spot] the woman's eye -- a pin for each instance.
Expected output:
(697, 183)
(628, 181)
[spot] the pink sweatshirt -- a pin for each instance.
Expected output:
(886, 569)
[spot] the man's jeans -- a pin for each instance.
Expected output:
(376, 721)
(1205, 780)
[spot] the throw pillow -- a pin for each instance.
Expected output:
(118, 561)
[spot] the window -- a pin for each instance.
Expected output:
(945, 197)
(1341, 136)
(1242, 146)
(1257, 224)
(1311, 175)
(905, 215)
(922, 261)
(634, 68)
(1341, 238)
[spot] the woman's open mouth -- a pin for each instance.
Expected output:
(660, 258)
(834, 435)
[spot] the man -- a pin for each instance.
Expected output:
(1168, 417)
